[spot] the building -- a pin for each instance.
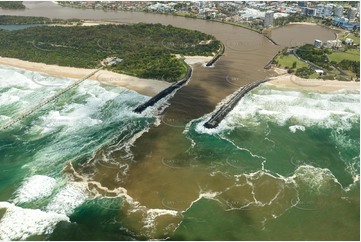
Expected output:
(268, 19)
(309, 11)
(318, 43)
(320, 8)
(339, 21)
(320, 72)
(333, 43)
(327, 11)
(351, 13)
(349, 41)
(302, 4)
(338, 11)
(351, 26)
(345, 24)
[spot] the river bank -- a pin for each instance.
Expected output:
(294, 82)
(148, 87)
(302, 23)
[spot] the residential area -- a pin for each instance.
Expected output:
(258, 15)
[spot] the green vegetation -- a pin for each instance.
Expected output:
(339, 64)
(12, 20)
(304, 72)
(315, 55)
(12, 5)
(147, 50)
(351, 54)
(353, 66)
(354, 36)
(287, 61)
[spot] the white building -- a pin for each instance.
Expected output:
(333, 43)
(320, 72)
(318, 43)
(268, 19)
(349, 41)
(320, 9)
(324, 11)
(327, 12)
(160, 7)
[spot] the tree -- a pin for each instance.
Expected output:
(294, 65)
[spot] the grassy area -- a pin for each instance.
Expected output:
(288, 60)
(146, 49)
(356, 39)
(353, 54)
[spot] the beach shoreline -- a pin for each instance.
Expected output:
(151, 87)
(148, 87)
(293, 82)
(302, 23)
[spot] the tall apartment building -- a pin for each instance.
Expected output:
(268, 19)
(338, 11)
(351, 13)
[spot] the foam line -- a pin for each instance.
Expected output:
(20, 223)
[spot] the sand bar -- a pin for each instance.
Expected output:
(190, 60)
(302, 23)
(148, 87)
(292, 81)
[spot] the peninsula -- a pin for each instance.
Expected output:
(151, 51)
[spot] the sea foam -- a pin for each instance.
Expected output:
(68, 198)
(294, 128)
(34, 188)
(329, 110)
(20, 223)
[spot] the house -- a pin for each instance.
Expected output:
(333, 43)
(349, 41)
(320, 72)
(318, 43)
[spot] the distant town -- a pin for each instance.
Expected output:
(255, 15)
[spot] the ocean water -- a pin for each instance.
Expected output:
(283, 165)
(35, 153)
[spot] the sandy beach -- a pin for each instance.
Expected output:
(148, 87)
(88, 23)
(303, 23)
(292, 81)
(190, 60)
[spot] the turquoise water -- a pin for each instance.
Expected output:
(283, 165)
(34, 152)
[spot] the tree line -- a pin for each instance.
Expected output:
(12, 5)
(12, 20)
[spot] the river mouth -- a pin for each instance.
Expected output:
(162, 175)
